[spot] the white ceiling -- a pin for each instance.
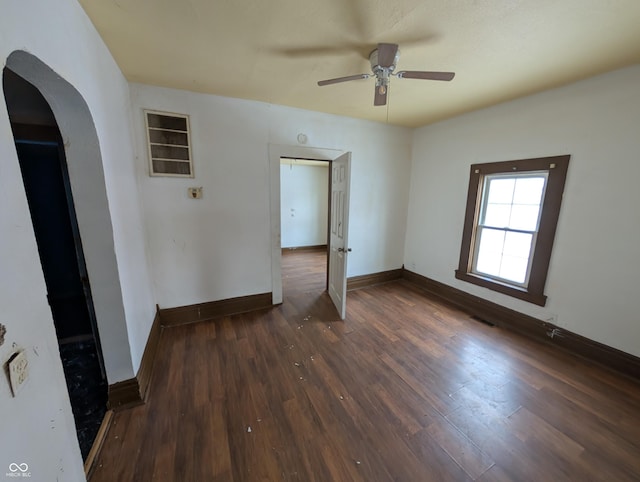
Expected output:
(276, 50)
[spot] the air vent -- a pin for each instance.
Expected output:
(169, 144)
(482, 320)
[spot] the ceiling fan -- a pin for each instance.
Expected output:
(383, 63)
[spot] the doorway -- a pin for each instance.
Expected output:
(340, 162)
(43, 166)
(304, 208)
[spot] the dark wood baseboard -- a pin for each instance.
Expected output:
(149, 356)
(531, 327)
(362, 281)
(124, 394)
(212, 309)
(97, 444)
(133, 392)
(481, 308)
(317, 247)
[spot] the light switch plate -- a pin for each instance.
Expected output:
(18, 371)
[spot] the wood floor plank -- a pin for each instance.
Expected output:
(400, 410)
(438, 398)
(407, 388)
(527, 426)
(601, 440)
(500, 400)
(460, 448)
(307, 433)
(489, 431)
(495, 474)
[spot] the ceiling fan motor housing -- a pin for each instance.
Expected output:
(375, 64)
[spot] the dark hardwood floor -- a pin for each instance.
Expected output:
(304, 271)
(406, 389)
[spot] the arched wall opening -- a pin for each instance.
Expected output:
(86, 175)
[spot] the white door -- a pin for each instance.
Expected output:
(339, 222)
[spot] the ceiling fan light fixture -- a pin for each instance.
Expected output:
(382, 79)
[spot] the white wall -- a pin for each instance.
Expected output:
(37, 426)
(220, 246)
(304, 194)
(592, 285)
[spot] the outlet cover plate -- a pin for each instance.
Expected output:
(18, 371)
(195, 192)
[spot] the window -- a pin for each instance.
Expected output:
(169, 144)
(510, 222)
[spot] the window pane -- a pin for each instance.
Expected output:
(528, 190)
(497, 215)
(517, 244)
(500, 191)
(490, 251)
(503, 254)
(489, 263)
(514, 268)
(524, 217)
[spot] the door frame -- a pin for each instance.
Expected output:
(276, 151)
(86, 174)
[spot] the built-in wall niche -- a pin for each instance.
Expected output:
(169, 144)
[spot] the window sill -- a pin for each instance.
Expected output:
(520, 293)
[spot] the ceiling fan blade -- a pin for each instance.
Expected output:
(387, 54)
(380, 99)
(317, 50)
(343, 79)
(417, 74)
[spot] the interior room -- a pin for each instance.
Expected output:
(319, 241)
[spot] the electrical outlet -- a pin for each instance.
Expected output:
(18, 371)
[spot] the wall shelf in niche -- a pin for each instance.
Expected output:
(169, 144)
